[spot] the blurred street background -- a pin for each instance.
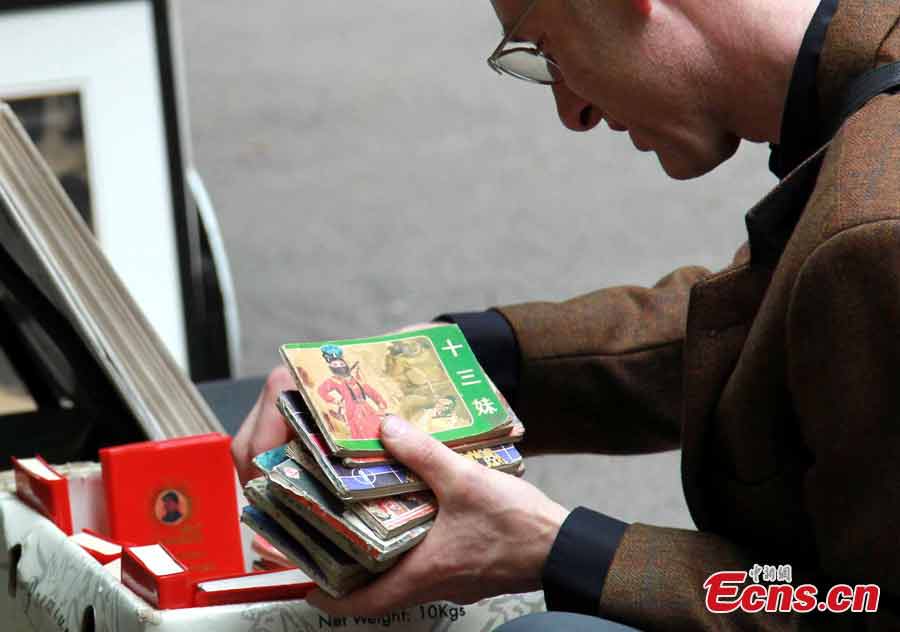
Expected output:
(371, 171)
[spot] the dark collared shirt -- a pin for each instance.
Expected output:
(576, 568)
(803, 127)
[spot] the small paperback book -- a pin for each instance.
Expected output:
(373, 480)
(269, 529)
(428, 376)
(388, 516)
(309, 499)
(332, 562)
(514, 434)
(391, 516)
(355, 484)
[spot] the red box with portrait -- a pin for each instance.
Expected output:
(181, 493)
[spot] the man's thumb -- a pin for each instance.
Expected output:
(431, 460)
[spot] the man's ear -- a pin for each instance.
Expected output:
(642, 6)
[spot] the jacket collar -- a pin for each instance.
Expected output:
(771, 222)
(860, 37)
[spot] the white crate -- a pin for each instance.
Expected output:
(55, 586)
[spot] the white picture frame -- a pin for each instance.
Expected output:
(116, 56)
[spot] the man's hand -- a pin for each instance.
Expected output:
(264, 428)
(492, 534)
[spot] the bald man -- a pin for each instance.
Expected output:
(777, 377)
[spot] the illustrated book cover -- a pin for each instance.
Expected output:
(389, 517)
(429, 377)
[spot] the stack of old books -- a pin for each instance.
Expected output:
(332, 500)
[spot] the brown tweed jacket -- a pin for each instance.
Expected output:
(779, 378)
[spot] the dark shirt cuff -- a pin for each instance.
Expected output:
(582, 553)
(492, 340)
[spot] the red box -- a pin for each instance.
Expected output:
(247, 588)
(270, 554)
(45, 490)
(154, 575)
(181, 493)
(100, 548)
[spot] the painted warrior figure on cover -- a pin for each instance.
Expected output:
(356, 403)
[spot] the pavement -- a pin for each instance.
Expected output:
(370, 171)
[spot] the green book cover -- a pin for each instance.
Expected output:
(430, 377)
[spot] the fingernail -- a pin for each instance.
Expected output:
(393, 427)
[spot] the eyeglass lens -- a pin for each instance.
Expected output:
(528, 64)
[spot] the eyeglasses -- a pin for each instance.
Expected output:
(528, 63)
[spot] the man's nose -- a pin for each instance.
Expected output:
(575, 113)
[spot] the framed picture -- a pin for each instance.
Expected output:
(55, 123)
(94, 84)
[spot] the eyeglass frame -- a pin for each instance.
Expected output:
(492, 61)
